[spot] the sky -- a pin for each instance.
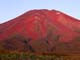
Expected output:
(10, 9)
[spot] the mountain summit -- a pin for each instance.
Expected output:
(42, 31)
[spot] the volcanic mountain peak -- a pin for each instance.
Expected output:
(40, 30)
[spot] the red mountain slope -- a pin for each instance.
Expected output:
(48, 31)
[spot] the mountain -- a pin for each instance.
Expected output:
(45, 31)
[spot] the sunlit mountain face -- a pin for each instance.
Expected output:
(44, 31)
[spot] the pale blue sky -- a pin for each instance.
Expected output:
(10, 9)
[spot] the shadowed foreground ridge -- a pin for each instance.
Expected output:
(44, 31)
